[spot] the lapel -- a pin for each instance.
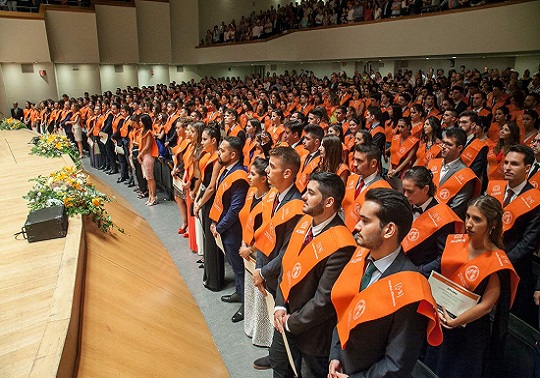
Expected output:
(397, 265)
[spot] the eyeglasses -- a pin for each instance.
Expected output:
(534, 141)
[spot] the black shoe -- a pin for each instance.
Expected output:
(120, 180)
(200, 261)
(232, 298)
(262, 363)
(130, 185)
(112, 172)
(201, 266)
(239, 315)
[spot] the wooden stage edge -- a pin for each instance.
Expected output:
(91, 304)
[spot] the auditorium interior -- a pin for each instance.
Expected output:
(133, 305)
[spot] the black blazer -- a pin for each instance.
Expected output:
(313, 316)
(271, 266)
(479, 164)
(17, 114)
(384, 347)
(432, 248)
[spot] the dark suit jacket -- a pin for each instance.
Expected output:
(271, 266)
(233, 200)
(313, 316)
(479, 165)
(520, 242)
(432, 248)
(17, 114)
(385, 347)
(460, 200)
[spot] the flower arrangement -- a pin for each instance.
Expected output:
(71, 187)
(54, 145)
(11, 124)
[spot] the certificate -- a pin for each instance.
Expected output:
(219, 243)
(455, 298)
(104, 137)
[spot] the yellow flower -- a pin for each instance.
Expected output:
(95, 202)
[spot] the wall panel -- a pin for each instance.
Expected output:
(154, 31)
(110, 79)
(72, 36)
(117, 34)
(75, 79)
(29, 86)
(23, 41)
(152, 74)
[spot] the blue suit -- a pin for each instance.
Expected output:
(229, 226)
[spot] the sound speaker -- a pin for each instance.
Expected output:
(45, 224)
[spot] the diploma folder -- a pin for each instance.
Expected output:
(455, 298)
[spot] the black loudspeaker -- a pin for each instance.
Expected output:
(45, 224)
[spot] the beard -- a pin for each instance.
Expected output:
(372, 243)
(316, 210)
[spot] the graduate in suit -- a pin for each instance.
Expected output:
(456, 184)
(521, 225)
(282, 207)
(232, 187)
(320, 246)
(432, 221)
(384, 306)
(16, 112)
(474, 154)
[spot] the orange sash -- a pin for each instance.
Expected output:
(423, 156)
(376, 130)
(226, 184)
(265, 236)
(170, 122)
(471, 151)
(455, 264)
(416, 130)
(247, 216)
(303, 176)
(428, 223)
(204, 161)
(535, 180)
(522, 204)
(351, 206)
(298, 263)
(453, 185)
(115, 123)
(380, 299)
(235, 130)
(399, 151)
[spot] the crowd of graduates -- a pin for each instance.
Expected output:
(232, 149)
(319, 13)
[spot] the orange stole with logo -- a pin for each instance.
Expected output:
(380, 299)
(522, 204)
(378, 129)
(471, 151)
(265, 236)
(247, 216)
(298, 263)
(456, 266)
(226, 184)
(399, 151)
(204, 160)
(535, 180)
(428, 223)
(453, 185)
(351, 206)
(424, 156)
(303, 176)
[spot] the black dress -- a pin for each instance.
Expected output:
(474, 351)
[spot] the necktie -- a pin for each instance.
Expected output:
(366, 278)
(275, 205)
(308, 239)
(509, 194)
(223, 175)
(306, 162)
(359, 187)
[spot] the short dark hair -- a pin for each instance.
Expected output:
(393, 208)
(526, 151)
(473, 116)
(289, 157)
(375, 112)
(330, 185)
(232, 112)
(236, 144)
(315, 130)
(295, 127)
(371, 150)
(260, 165)
(458, 135)
(421, 176)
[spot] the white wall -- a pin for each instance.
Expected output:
(117, 34)
(154, 31)
(14, 32)
(75, 79)
(213, 12)
(110, 80)
(21, 87)
(4, 105)
(530, 62)
(152, 74)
